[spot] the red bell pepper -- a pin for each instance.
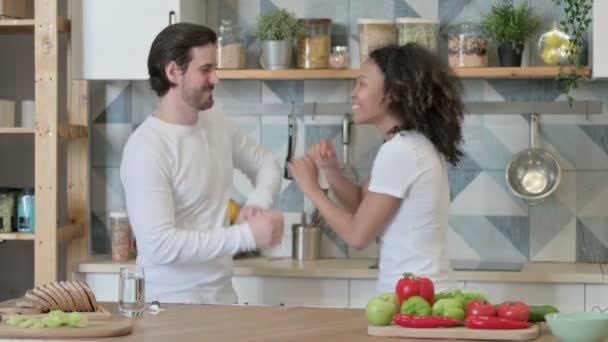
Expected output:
(493, 322)
(426, 321)
(410, 286)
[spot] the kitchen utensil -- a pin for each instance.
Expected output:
(291, 120)
(306, 242)
(455, 333)
(533, 174)
(579, 326)
(347, 170)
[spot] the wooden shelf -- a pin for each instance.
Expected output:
(16, 130)
(27, 25)
(298, 74)
(17, 236)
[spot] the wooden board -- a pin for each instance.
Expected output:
(457, 333)
(94, 329)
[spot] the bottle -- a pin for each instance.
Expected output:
(230, 47)
(26, 220)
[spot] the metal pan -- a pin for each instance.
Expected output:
(533, 174)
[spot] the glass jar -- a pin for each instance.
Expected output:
(339, 57)
(374, 34)
(313, 45)
(8, 210)
(423, 31)
(121, 235)
(26, 211)
(467, 46)
(230, 47)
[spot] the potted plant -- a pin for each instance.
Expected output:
(277, 31)
(575, 25)
(509, 27)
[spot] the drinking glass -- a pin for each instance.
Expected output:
(131, 300)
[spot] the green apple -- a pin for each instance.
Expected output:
(381, 310)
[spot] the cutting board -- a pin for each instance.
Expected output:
(456, 333)
(9, 308)
(94, 329)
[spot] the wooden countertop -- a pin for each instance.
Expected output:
(256, 323)
(542, 272)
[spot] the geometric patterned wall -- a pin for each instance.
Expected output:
(486, 220)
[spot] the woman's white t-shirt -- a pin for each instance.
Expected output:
(409, 167)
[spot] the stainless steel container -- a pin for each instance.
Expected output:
(306, 242)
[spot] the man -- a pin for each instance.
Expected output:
(177, 172)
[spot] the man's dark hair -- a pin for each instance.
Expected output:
(174, 43)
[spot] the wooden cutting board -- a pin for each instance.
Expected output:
(94, 329)
(456, 333)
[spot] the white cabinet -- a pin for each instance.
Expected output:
(291, 291)
(111, 38)
(599, 45)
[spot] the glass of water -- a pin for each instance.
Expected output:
(131, 300)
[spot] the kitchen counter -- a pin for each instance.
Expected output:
(257, 323)
(575, 273)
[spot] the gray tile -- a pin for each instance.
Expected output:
(547, 220)
(100, 234)
(516, 229)
(599, 135)
(526, 90)
(108, 142)
(283, 91)
(588, 247)
(119, 110)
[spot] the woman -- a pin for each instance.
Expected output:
(414, 100)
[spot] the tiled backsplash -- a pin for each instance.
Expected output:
(486, 220)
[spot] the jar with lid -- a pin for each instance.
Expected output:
(374, 34)
(339, 57)
(230, 47)
(26, 219)
(121, 235)
(423, 31)
(8, 210)
(467, 46)
(314, 44)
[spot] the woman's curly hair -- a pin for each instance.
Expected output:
(425, 94)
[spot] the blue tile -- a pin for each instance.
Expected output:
(291, 199)
(287, 91)
(449, 9)
(459, 179)
(588, 247)
(526, 90)
(547, 220)
(402, 9)
(516, 229)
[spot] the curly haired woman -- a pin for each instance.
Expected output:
(414, 100)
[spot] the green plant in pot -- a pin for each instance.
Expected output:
(575, 25)
(510, 27)
(277, 31)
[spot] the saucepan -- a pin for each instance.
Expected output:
(533, 174)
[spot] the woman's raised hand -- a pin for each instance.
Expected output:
(323, 154)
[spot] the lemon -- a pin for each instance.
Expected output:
(233, 211)
(553, 39)
(551, 56)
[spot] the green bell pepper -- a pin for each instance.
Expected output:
(449, 307)
(416, 306)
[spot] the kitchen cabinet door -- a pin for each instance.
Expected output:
(111, 38)
(291, 291)
(599, 44)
